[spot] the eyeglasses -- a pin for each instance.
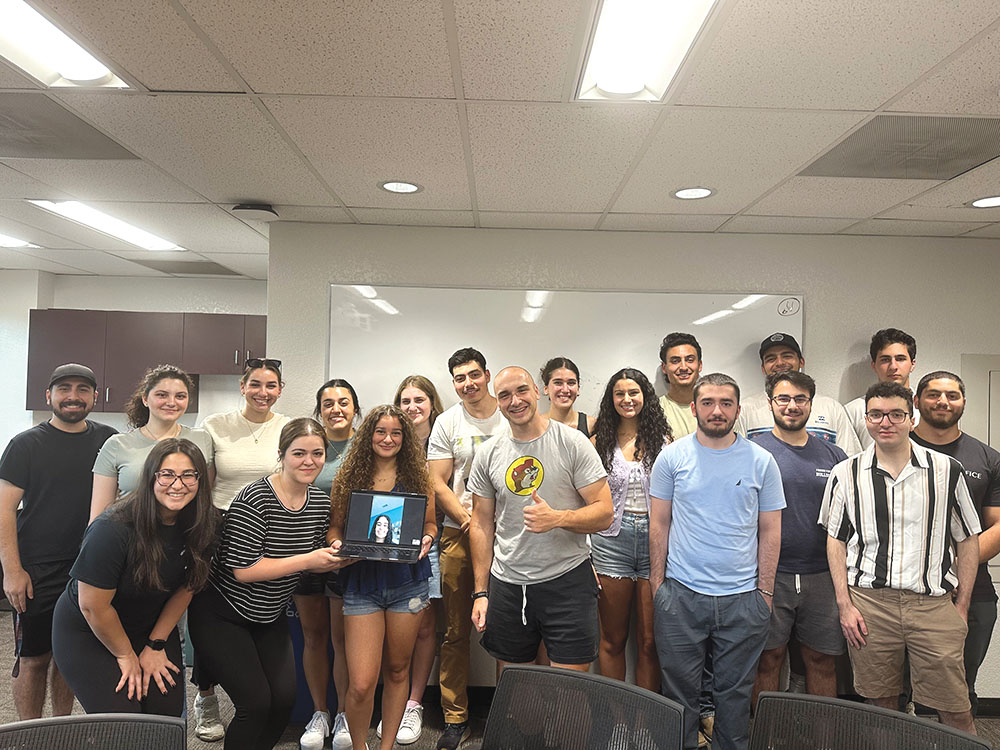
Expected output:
(784, 400)
(253, 364)
(896, 416)
(166, 478)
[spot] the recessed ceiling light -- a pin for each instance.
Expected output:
(693, 193)
(91, 217)
(991, 202)
(8, 241)
(638, 46)
(38, 47)
(399, 186)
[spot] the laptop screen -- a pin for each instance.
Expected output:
(391, 518)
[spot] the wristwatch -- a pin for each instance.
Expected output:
(156, 645)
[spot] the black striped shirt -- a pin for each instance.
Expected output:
(900, 533)
(259, 526)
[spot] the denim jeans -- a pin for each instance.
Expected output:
(733, 628)
(982, 618)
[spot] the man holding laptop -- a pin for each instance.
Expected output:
(537, 493)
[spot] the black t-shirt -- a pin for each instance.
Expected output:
(982, 473)
(54, 468)
(104, 564)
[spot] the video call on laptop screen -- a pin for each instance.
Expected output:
(385, 518)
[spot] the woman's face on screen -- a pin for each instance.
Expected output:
(381, 528)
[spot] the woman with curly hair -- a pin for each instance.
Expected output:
(383, 601)
(153, 413)
(115, 636)
(629, 434)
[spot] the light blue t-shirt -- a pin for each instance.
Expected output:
(716, 498)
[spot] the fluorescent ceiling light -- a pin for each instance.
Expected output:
(713, 316)
(384, 306)
(991, 202)
(365, 291)
(8, 241)
(747, 301)
(398, 186)
(536, 298)
(694, 193)
(531, 314)
(34, 44)
(91, 217)
(639, 45)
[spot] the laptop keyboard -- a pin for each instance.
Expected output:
(379, 551)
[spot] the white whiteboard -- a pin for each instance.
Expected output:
(600, 331)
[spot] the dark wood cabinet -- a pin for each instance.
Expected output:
(254, 336)
(58, 337)
(221, 344)
(135, 342)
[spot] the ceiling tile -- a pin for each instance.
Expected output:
(989, 231)
(12, 79)
(148, 40)
(414, 217)
(663, 222)
(740, 153)
(202, 228)
(828, 54)
(933, 213)
(785, 225)
(106, 180)
(33, 125)
(349, 47)
(93, 261)
(980, 182)
(163, 255)
(899, 227)
(31, 234)
(517, 50)
(251, 266)
(964, 85)
(537, 221)
(15, 184)
(12, 259)
(554, 157)
(72, 233)
(221, 146)
(837, 196)
(358, 143)
(317, 214)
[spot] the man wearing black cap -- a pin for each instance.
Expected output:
(780, 352)
(47, 471)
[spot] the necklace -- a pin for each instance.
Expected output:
(256, 440)
(172, 431)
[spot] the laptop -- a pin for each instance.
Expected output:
(384, 526)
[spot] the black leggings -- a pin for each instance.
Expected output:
(254, 664)
(92, 672)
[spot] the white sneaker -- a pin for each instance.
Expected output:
(208, 725)
(317, 730)
(341, 734)
(411, 725)
(378, 729)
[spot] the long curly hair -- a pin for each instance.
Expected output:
(358, 470)
(653, 432)
(199, 519)
(137, 412)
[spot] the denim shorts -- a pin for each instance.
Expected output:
(410, 597)
(625, 555)
(434, 582)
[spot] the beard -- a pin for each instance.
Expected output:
(72, 417)
(716, 429)
(791, 425)
(942, 420)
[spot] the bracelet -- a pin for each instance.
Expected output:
(480, 595)
(766, 592)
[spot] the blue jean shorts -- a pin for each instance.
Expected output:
(625, 555)
(434, 583)
(410, 597)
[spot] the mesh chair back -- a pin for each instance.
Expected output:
(791, 720)
(95, 732)
(543, 708)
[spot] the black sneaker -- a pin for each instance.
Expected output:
(453, 736)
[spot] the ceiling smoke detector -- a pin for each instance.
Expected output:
(256, 211)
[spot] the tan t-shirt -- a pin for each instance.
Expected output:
(239, 460)
(679, 416)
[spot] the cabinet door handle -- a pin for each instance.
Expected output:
(248, 355)
(236, 357)
(107, 395)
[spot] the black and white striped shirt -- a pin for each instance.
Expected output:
(259, 526)
(900, 533)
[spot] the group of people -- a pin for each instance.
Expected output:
(730, 531)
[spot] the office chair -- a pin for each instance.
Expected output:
(95, 732)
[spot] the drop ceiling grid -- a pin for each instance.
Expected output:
(528, 220)
(355, 145)
(554, 157)
(220, 146)
(989, 232)
(846, 197)
(94, 261)
(745, 224)
(740, 153)
(982, 181)
(75, 233)
(929, 213)
(902, 228)
(12, 79)
(29, 233)
(413, 217)
(148, 40)
(351, 47)
(663, 222)
(16, 184)
(11, 259)
(251, 266)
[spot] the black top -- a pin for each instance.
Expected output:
(981, 465)
(104, 564)
(581, 423)
(54, 468)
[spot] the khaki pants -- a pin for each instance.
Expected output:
(456, 590)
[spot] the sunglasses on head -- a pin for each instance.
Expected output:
(253, 364)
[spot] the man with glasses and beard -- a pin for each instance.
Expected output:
(903, 550)
(47, 471)
(940, 400)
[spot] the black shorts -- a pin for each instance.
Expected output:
(311, 584)
(48, 581)
(561, 613)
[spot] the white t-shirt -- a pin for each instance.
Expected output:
(828, 421)
(856, 413)
(239, 460)
(457, 435)
(682, 422)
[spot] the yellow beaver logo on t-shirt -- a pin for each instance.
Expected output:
(524, 475)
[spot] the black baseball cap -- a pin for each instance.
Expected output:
(62, 372)
(782, 339)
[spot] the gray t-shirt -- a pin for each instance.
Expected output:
(556, 464)
(123, 455)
